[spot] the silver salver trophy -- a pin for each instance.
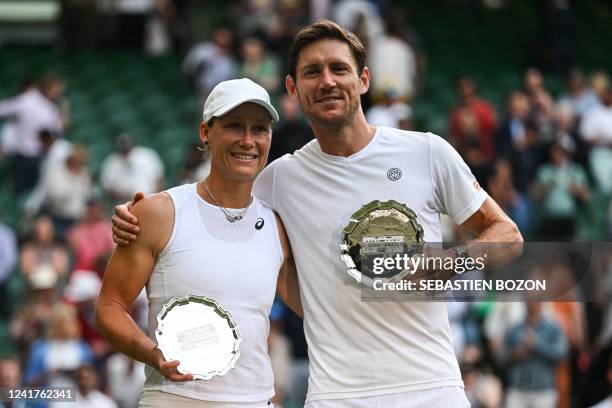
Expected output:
(200, 334)
(379, 229)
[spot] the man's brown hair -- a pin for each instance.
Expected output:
(325, 30)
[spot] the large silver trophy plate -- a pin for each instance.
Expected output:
(379, 229)
(200, 334)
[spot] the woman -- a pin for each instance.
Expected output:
(210, 238)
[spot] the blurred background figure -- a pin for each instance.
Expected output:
(32, 317)
(390, 110)
(34, 110)
(393, 64)
(580, 97)
(43, 250)
(292, 133)
(82, 292)
(472, 125)
(65, 188)
(540, 102)
(259, 67)
(501, 189)
(8, 260)
(130, 169)
(10, 378)
(91, 238)
(596, 129)
(124, 378)
(54, 359)
(561, 188)
(88, 394)
(196, 165)
(536, 346)
(211, 62)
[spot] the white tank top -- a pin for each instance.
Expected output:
(234, 263)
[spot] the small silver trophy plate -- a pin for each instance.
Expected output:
(200, 334)
(379, 229)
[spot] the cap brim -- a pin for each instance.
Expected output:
(259, 102)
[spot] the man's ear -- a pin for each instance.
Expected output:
(364, 81)
(291, 88)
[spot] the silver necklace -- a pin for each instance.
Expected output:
(229, 215)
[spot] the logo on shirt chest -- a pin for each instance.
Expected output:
(394, 174)
(259, 224)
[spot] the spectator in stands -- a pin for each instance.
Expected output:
(211, 62)
(88, 393)
(472, 125)
(285, 21)
(66, 188)
(570, 315)
(512, 131)
(541, 107)
(55, 151)
(599, 82)
(124, 378)
(53, 360)
(390, 111)
(8, 259)
(196, 165)
(536, 346)
(259, 67)
(82, 292)
(43, 250)
(501, 189)
(255, 16)
(8, 137)
(579, 97)
(347, 13)
(596, 129)
(293, 132)
(130, 169)
(10, 378)
(561, 186)
(483, 389)
(91, 238)
(34, 314)
(392, 64)
(472, 122)
(34, 110)
(519, 140)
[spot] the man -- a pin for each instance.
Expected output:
(536, 347)
(34, 110)
(365, 354)
(194, 241)
(131, 168)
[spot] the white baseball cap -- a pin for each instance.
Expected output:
(227, 95)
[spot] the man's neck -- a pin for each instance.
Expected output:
(226, 193)
(346, 140)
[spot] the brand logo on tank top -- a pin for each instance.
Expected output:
(394, 174)
(259, 224)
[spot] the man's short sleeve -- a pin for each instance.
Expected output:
(457, 193)
(263, 188)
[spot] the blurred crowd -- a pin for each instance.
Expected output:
(543, 157)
